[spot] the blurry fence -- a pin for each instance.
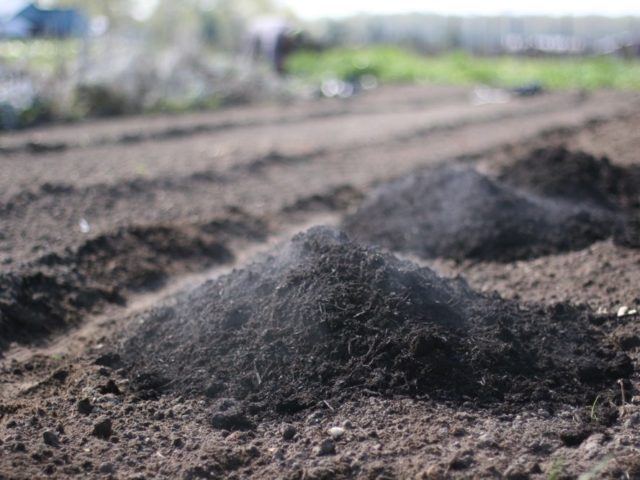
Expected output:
(488, 35)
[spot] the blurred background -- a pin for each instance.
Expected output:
(64, 60)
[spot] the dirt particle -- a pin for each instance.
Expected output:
(288, 432)
(84, 406)
(103, 428)
(516, 473)
(432, 472)
(627, 339)
(109, 387)
(574, 438)
(214, 389)
(632, 421)
(19, 447)
(461, 461)
(178, 443)
(231, 420)
(60, 375)
(50, 438)
(326, 447)
(111, 360)
(106, 468)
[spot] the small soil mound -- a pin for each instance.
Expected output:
(575, 175)
(325, 318)
(459, 213)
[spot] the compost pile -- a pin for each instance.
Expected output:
(575, 175)
(458, 213)
(324, 318)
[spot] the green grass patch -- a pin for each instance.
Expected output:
(42, 56)
(396, 65)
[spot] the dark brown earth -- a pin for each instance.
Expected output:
(107, 225)
(57, 290)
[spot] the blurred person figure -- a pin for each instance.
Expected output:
(272, 39)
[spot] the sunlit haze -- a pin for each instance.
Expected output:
(343, 8)
(340, 8)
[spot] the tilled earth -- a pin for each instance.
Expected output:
(161, 316)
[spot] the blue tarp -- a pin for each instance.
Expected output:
(58, 22)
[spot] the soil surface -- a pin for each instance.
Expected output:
(161, 316)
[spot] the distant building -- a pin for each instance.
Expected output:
(19, 19)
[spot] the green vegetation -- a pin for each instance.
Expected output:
(594, 409)
(556, 469)
(42, 56)
(47, 86)
(395, 65)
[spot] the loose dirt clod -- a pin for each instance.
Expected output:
(459, 213)
(231, 419)
(103, 428)
(51, 439)
(288, 432)
(324, 317)
(326, 447)
(84, 406)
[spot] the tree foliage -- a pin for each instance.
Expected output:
(117, 11)
(221, 23)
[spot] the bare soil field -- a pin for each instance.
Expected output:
(396, 285)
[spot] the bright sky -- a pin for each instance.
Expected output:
(310, 9)
(340, 8)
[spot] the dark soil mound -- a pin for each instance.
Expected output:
(58, 289)
(325, 318)
(459, 213)
(558, 172)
